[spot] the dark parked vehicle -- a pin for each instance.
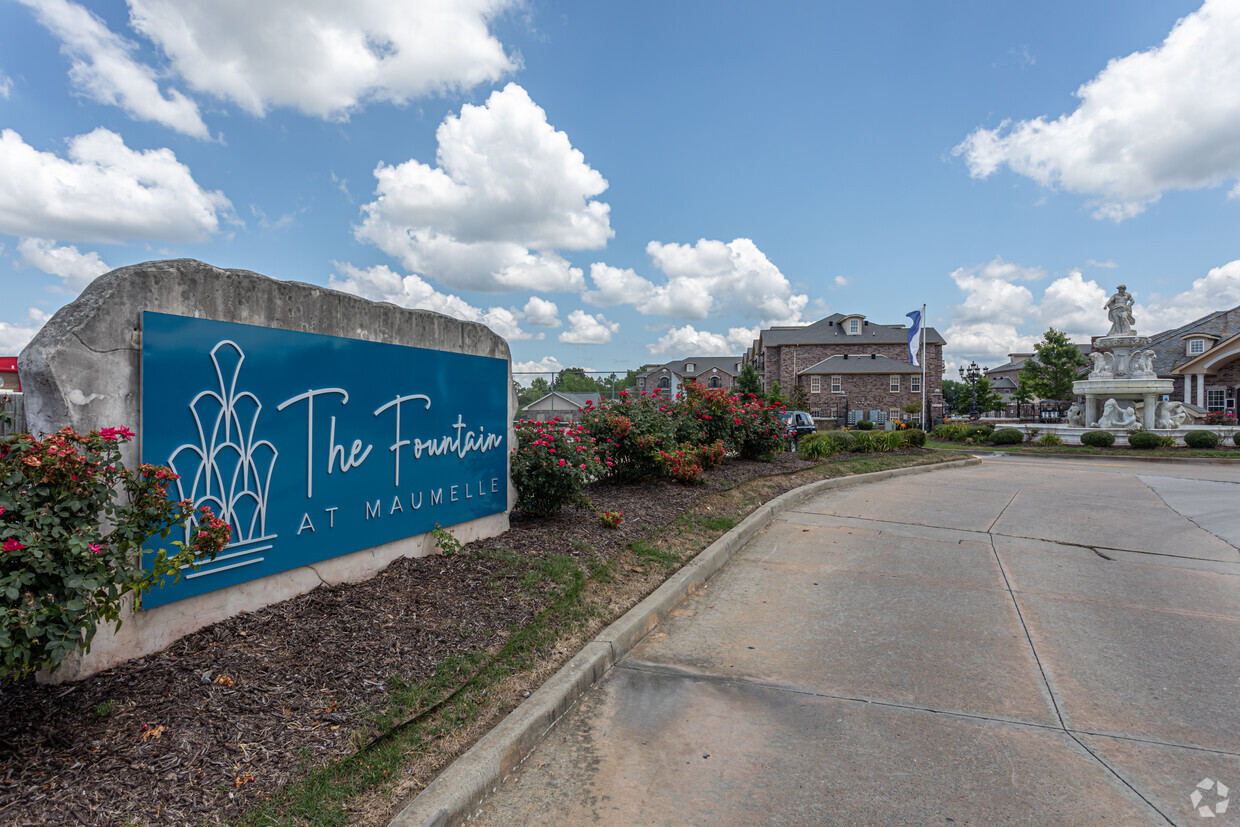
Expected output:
(797, 423)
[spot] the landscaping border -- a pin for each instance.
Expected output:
(464, 784)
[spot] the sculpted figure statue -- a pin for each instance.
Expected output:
(1170, 415)
(1074, 415)
(1142, 364)
(1113, 416)
(1104, 365)
(1119, 311)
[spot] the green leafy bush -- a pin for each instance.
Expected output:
(978, 432)
(885, 441)
(844, 439)
(631, 431)
(1167, 442)
(1031, 434)
(818, 446)
(1201, 440)
(915, 437)
(1144, 440)
(1007, 436)
(551, 463)
(71, 543)
(1050, 440)
(863, 441)
(865, 425)
(1098, 439)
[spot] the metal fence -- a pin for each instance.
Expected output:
(11, 401)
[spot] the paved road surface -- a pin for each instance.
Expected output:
(1031, 641)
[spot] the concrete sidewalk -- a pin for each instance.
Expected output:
(1025, 642)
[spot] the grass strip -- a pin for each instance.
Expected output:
(1085, 450)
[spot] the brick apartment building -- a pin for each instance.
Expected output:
(847, 363)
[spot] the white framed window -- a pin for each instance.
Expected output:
(837, 384)
(914, 383)
(689, 366)
(1196, 346)
(893, 383)
(854, 326)
(1214, 399)
(815, 384)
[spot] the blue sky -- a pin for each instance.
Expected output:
(608, 185)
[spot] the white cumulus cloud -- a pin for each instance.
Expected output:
(508, 191)
(6, 85)
(380, 283)
(1218, 289)
(103, 68)
(1074, 306)
(103, 191)
(324, 57)
(709, 278)
(689, 341)
(541, 313)
(546, 367)
(584, 329)
(985, 326)
(1163, 119)
(14, 337)
(76, 268)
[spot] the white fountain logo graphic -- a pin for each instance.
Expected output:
(228, 469)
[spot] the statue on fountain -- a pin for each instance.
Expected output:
(1119, 311)
(1115, 417)
(1170, 415)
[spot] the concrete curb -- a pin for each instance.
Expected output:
(462, 786)
(987, 454)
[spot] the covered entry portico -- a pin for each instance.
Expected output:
(1210, 380)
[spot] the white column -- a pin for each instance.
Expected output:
(1201, 390)
(1188, 389)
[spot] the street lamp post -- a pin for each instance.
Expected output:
(971, 375)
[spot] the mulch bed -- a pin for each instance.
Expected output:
(220, 720)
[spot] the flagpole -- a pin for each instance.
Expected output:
(923, 368)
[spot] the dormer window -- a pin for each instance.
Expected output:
(1196, 346)
(689, 366)
(854, 327)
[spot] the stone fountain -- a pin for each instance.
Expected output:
(1123, 377)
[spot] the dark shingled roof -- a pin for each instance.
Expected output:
(860, 363)
(578, 398)
(1169, 348)
(701, 365)
(828, 331)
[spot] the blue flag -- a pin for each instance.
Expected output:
(913, 330)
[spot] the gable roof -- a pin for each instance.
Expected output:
(829, 331)
(701, 365)
(1168, 346)
(863, 363)
(577, 399)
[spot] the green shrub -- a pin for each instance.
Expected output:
(886, 441)
(551, 464)
(70, 548)
(1007, 436)
(817, 446)
(863, 441)
(950, 432)
(865, 425)
(1098, 439)
(844, 439)
(631, 431)
(979, 432)
(1031, 434)
(915, 437)
(1166, 442)
(1050, 440)
(1144, 440)
(1201, 440)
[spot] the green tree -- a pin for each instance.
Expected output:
(987, 399)
(776, 395)
(1024, 395)
(574, 380)
(537, 390)
(798, 399)
(749, 381)
(955, 396)
(1055, 365)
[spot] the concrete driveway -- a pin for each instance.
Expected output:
(1031, 641)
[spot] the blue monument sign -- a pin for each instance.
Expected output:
(314, 446)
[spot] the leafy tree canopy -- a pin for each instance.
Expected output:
(1055, 365)
(749, 381)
